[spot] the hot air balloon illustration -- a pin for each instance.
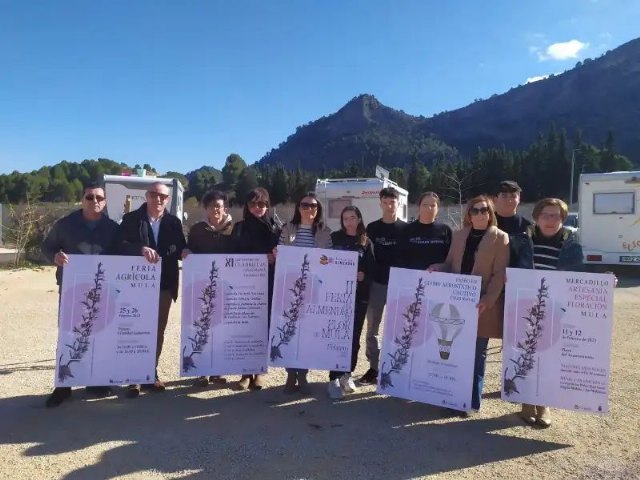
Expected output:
(449, 322)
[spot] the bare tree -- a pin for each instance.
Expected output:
(26, 230)
(457, 185)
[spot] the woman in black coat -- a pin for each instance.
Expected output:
(257, 232)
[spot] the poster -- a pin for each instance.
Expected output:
(557, 339)
(429, 338)
(224, 315)
(108, 321)
(313, 308)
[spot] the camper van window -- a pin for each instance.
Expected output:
(336, 206)
(613, 203)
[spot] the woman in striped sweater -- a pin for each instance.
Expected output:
(547, 245)
(306, 229)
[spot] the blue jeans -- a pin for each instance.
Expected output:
(478, 371)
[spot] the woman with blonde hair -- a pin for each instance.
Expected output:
(480, 248)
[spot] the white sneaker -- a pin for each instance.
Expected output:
(347, 383)
(335, 390)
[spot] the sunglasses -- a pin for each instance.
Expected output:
(91, 197)
(308, 206)
(161, 196)
(258, 204)
(479, 211)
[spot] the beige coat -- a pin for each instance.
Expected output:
(491, 262)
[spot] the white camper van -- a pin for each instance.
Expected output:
(364, 193)
(609, 217)
(126, 193)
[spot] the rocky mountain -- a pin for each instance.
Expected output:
(595, 97)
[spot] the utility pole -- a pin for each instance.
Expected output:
(573, 161)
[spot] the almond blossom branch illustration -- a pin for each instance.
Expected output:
(202, 323)
(400, 357)
(292, 314)
(80, 345)
(526, 360)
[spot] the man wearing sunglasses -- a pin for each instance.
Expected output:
(151, 231)
(87, 231)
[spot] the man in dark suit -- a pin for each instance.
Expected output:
(156, 234)
(87, 231)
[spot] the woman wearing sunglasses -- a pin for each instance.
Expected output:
(306, 229)
(257, 232)
(481, 249)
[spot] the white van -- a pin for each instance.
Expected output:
(364, 193)
(126, 193)
(609, 222)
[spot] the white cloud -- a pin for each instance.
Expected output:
(559, 51)
(537, 78)
(566, 50)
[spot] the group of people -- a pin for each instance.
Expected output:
(493, 237)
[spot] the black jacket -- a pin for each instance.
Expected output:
(135, 232)
(72, 235)
(254, 235)
(366, 262)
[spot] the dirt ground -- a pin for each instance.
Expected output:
(219, 433)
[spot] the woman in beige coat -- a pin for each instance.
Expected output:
(480, 248)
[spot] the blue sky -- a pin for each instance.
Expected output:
(181, 84)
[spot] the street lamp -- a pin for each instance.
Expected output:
(573, 160)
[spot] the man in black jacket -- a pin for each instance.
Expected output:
(151, 231)
(87, 231)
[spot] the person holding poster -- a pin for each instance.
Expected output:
(352, 236)
(480, 248)
(426, 241)
(306, 229)
(547, 245)
(257, 232)
(385, 234)
(86, 231)
(151, 231)
(212, 235)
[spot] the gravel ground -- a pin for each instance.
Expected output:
(220, 433)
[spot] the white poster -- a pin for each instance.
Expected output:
(557, 339)
(429, 339)
(312, 309)
(108, 321)
(224, 315)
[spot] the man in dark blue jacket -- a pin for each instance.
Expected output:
(87, 231)
(151, 231)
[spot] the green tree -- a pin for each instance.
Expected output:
(418, 181)
(233, 166)
(247, 181)
(279, 185)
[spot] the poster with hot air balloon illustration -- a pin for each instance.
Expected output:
(557, 339)
(429, 337)
(108, 321)
(224, 315)
(312, 309)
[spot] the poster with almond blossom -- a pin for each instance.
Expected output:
(313, 307)
(108, 321)
(557, 339)
(429, 337)
(224, 315)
